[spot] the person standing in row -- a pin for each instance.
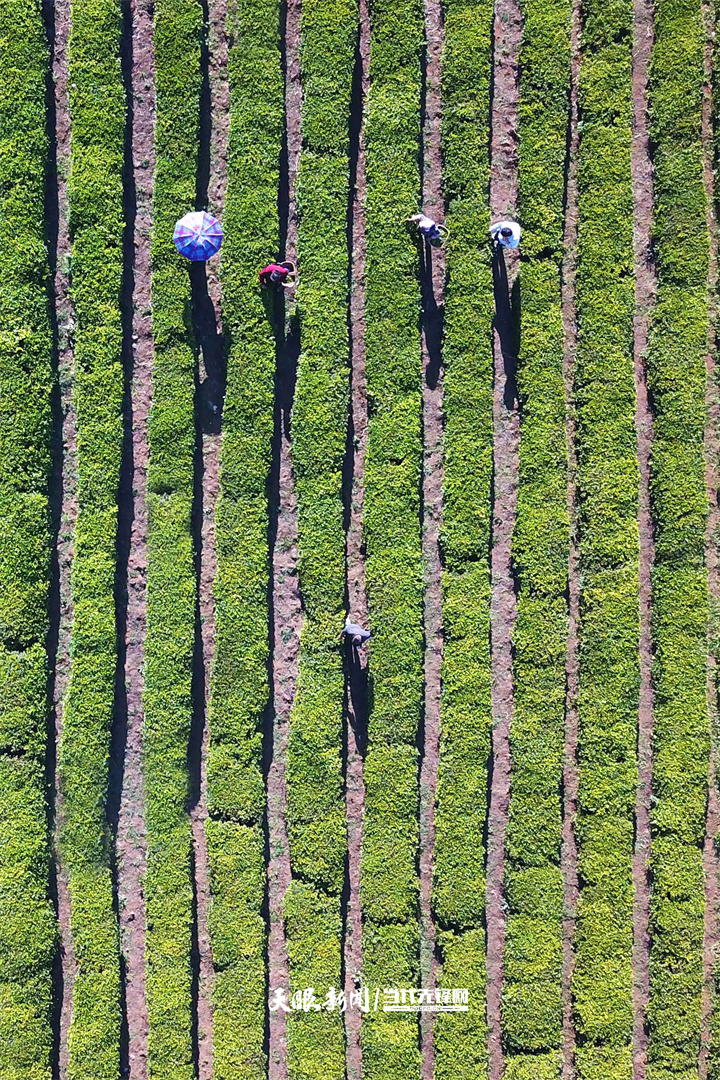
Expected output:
(278, 274)
(505, 234)
(354, 633)
(429, 229)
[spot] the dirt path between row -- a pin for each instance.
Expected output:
(58, 22)
(131, 843)
(506, 440)
(572, 656)
(210, 393)
(432, 283)
(357, 677)
(286, 606)
(711, 945)
(645, 288)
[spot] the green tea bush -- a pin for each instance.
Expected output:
(315, 803)
(608, 509)
(239, 687)
(27, 923)
(391, 530)
(458, 896)
(171, 596)
(532, 1005)
(95, 197)
(676, 381)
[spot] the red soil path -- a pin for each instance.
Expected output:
(506, 422)
(645, 287)
(286, 595)
(357, 596)
(219, 121)
(67, 495)
(131, 846)
(287, 610)
(572, 660)
(433, 477)
(287, 616)
(712, 457)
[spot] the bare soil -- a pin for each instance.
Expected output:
(287, 610)
(506, 423)
(711, 949)
(287, 623)
(645, 288)
(207, 312)
(572, 659)
(433, 279)
(66, 493)
(357, 597)
(131, 844)
(220, 113)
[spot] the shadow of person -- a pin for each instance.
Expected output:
(357, 681)
(211, 391)
(432, 317)
(284, 321)
(507, 324)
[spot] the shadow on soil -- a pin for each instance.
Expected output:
(209, 345)
(358, 687)
(287, 350)
(126, 508)
(507, 324)
(210, 390)
(432, 322)
(286, 333)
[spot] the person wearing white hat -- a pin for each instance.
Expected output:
(506, 234)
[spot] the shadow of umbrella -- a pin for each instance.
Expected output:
(210, 342)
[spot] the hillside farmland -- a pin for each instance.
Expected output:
(484, 844)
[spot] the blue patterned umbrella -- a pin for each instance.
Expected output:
(198, 236)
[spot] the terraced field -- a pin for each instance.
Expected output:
(229, 844)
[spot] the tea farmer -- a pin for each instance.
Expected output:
(505, 234)
(429, 229)
(355, 633)
(278, 274)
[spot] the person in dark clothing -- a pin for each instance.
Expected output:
(278, 274)
(355, 633)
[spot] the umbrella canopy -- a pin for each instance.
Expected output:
(198, 235)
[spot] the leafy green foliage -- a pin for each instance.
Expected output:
(461, 1038)
(239, 688)
(319, 433)
(27, 923)
(676, 380)
(391, 529)
(238, 934)
(609, 544)
(608, 494)
(315, 804)
(171, 596)
(316, 1044)
(458, 896)
(95, 196)
(532, 1006)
